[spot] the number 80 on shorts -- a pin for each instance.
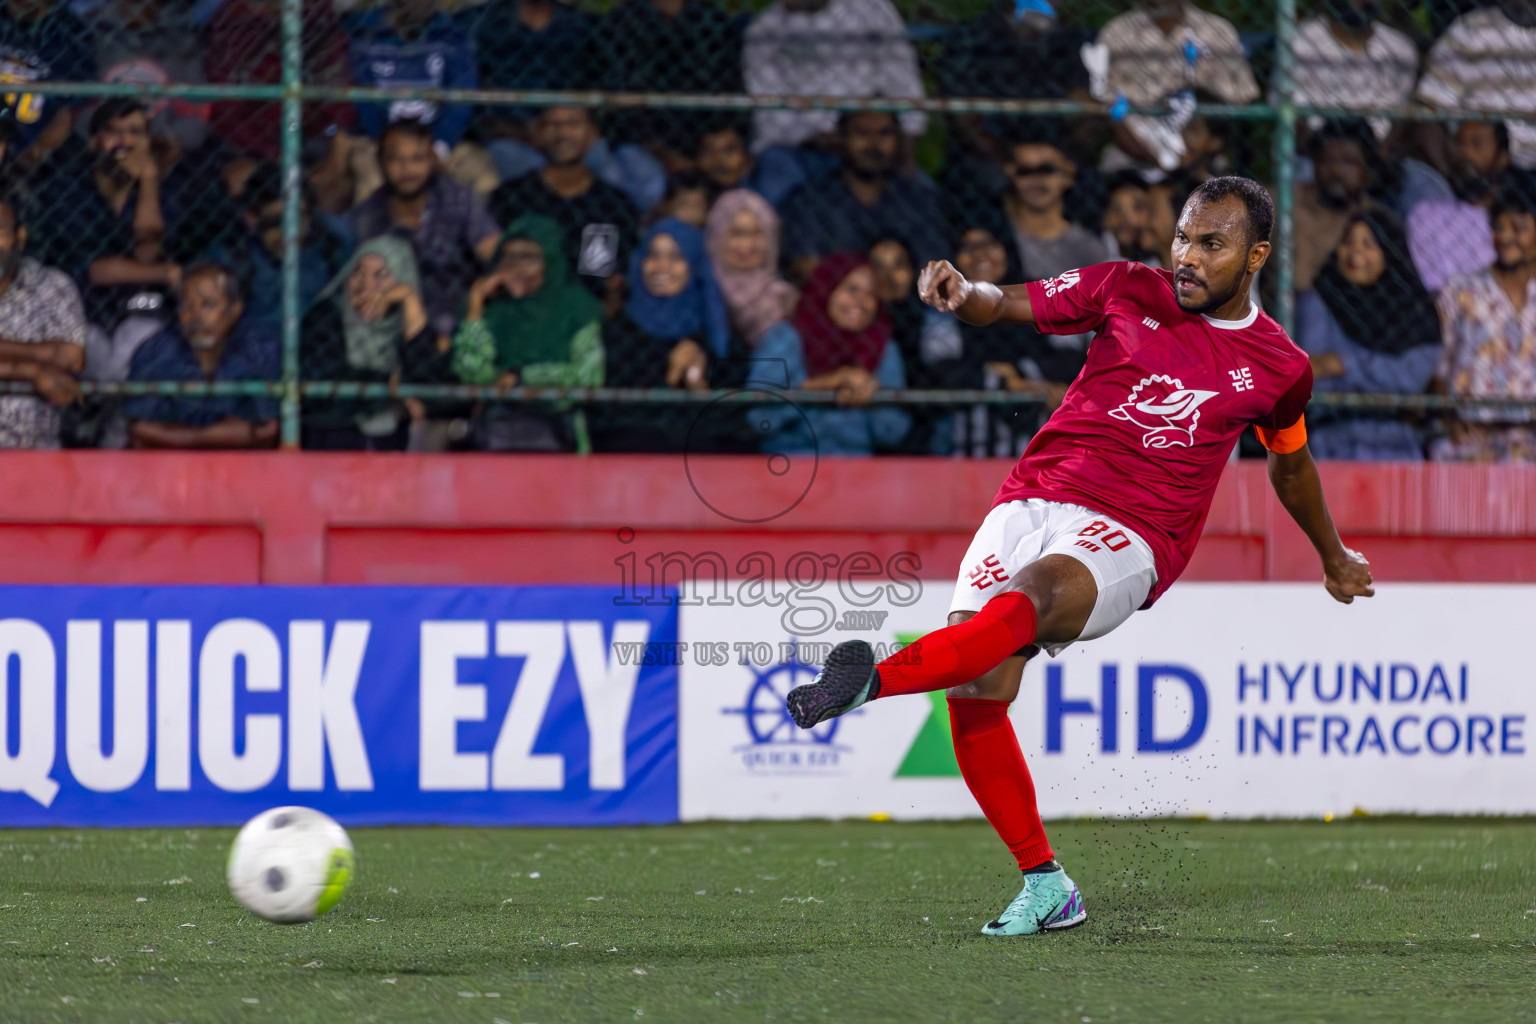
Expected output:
(1113, 541)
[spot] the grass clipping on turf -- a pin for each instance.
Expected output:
(1426, 920)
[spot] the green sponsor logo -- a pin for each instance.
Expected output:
(932, 754)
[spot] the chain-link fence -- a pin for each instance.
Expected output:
(668, 224)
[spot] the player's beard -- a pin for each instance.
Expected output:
(1213, 299)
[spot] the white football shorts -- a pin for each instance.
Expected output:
(1017, 533)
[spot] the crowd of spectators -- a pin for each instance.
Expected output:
(657, 247)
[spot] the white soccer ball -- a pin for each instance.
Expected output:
(290, 864)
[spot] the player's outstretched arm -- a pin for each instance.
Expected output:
(976, 302)
(1346, 573)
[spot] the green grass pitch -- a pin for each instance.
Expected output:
(1362, 920)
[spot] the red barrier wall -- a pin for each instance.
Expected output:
(153, 517)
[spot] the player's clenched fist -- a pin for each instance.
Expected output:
(1350, 578)
(942, 286)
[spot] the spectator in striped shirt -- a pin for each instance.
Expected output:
(1346, 58)
(1486, 61)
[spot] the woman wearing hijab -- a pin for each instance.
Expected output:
(1369, 325)
(370, 325)
(527, 323)
(839, 339)
(742, 235)
(672, 333)
(673, 294)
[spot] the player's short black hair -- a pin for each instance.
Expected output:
(1261, 208)
(406, 126)
(113, 108)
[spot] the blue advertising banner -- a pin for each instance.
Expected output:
(206, 705)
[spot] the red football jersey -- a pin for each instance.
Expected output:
(1148, 425)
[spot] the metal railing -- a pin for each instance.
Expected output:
(746, 394)
(293, 93)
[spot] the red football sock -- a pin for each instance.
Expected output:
(962, 652)
(993, 765)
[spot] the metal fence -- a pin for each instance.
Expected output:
(962, 126)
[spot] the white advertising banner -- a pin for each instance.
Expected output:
(1234, 700)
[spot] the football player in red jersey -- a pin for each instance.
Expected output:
(1102, 512)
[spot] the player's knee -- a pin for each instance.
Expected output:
(1002, 683)
(1044, 591)
(1063, 592)
(977, 689)
(981, 689)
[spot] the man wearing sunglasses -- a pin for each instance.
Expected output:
(1041, 174)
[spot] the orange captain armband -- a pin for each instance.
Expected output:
(1283, 442)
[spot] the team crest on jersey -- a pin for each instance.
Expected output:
(1164, 408)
